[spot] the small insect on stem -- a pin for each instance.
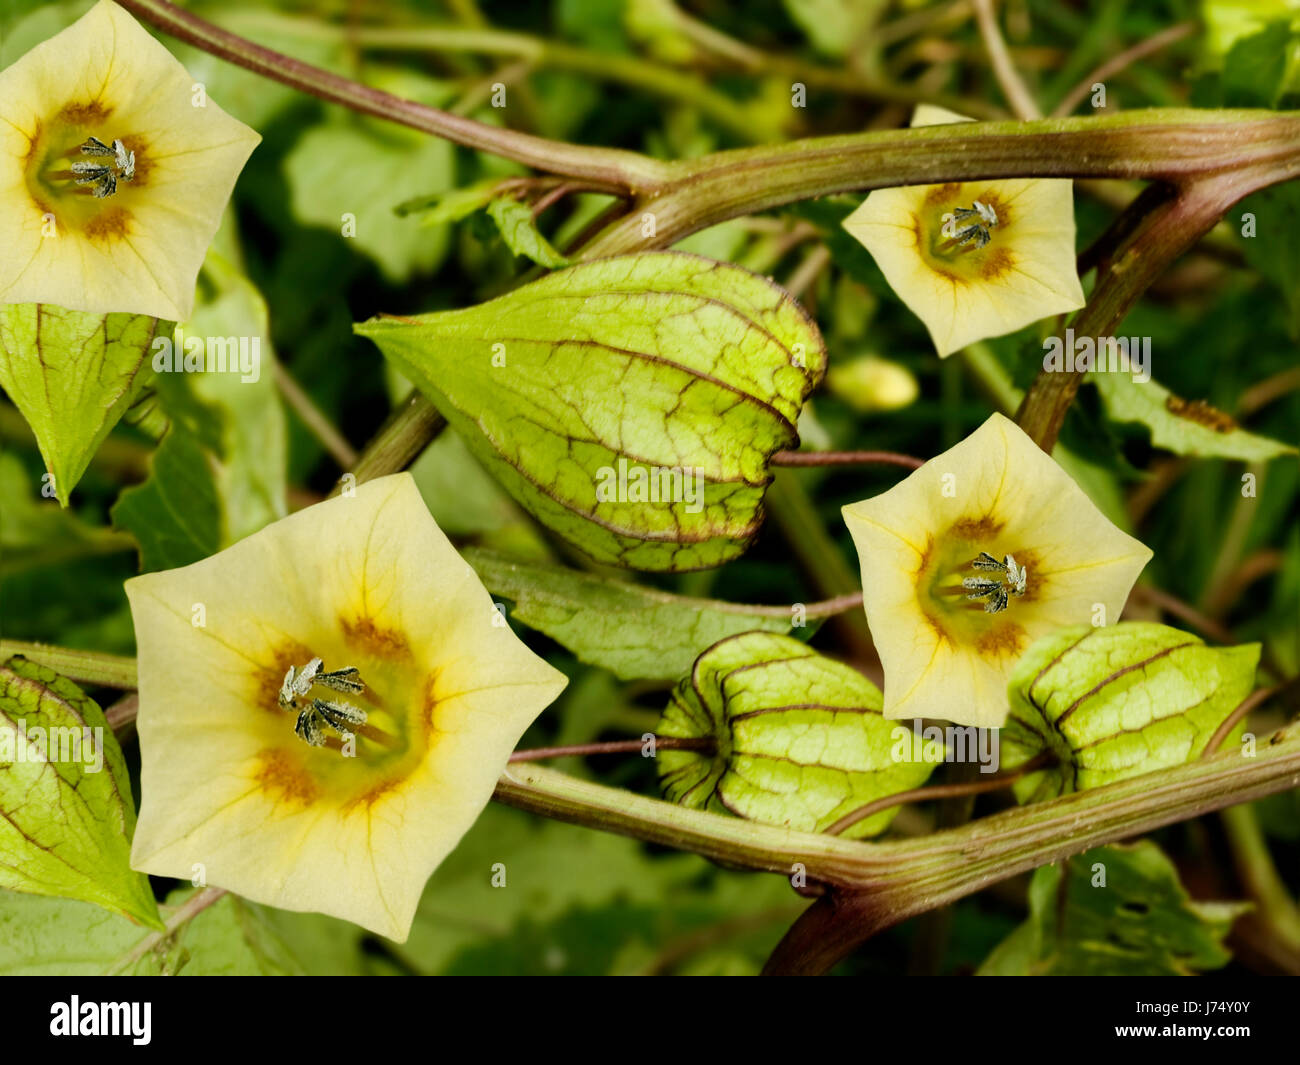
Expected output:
(968, 227)
(103, 177)
(320, 714)
(996, 592)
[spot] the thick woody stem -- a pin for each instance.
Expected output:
(1170, 145)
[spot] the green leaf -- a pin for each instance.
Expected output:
(175, 514)
(596, 23)
(244, 416)
(835, 26)
(60, 574)
(59, 937)
(633, 631)
(547, 871)
(220, 472)
(1180, 426)
(36, 526)
(450, 206)
(319, 945)
(26, 23)
(384, 167)
(517, 892)
(1273, 250)
(464, 499)
(630, 404)
(1229, 21)
(800, 739)
(1118, 701)
(519, 230)
(585, 941)
(1261, 69)
(621, 938)
(65, 798)
(73, 375)
(1131, 917)
(1279, 815)
(659, 27)
(232, 937)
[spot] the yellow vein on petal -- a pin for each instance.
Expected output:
(374, 869)
(884, 225)
(859, 516)
(192, 151)
(920, 677)
(195, 826)
(490, 688)
(1053, 570)
(207, 634)
(366, 553)
(1039, 283)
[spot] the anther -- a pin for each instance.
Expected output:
(968, 227)
(319, 714)
(115, 164)
(996, 591)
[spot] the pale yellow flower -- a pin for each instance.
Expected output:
(962, 291)
(944, 654)
(131, 240)
(229, 789)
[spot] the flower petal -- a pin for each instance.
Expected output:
(1026, 273)
(995, 491)
(227, 787)
(139, 250)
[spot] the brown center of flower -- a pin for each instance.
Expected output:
(962, 232)
(966, 593)
(78, 173)
(963, 576)
(378, 689)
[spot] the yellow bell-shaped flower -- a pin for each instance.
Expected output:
(972, 558)
(973, 259)
(325, 708)
(115, 168)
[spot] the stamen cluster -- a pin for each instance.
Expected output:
(320, 714)
(104, 176)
